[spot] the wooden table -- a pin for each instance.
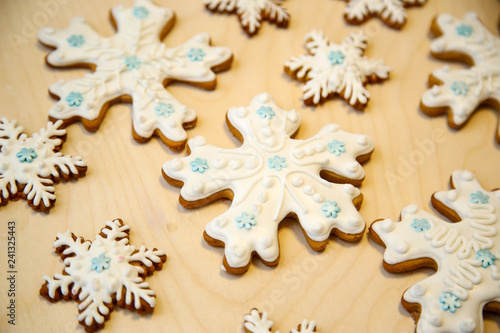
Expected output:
(344, 288)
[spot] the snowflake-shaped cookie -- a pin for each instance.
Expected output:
(341, 69)
(391, 12)
(465, 254)
(29, 166)
(132, 66)
(252, 12)
(460, 92)
(106, 271)
(271, 177)
(258, 322)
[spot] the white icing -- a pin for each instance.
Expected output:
(482, 79)
(251, 12)
(37, 173)
(296, 188)
(99, 288)
(454, 247)
(392, 11)
(257, 322)
(113, 78)
(325, 79)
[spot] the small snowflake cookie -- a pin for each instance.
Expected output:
(29, 166)
(101, 273)
(131, 66)
(258, 322)
(391, 12)
(271, 177)
(336, 69)
(462, 91)
(465, 254)
(252, 12)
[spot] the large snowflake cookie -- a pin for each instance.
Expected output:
(391, 12)
(106, 271)
(465, 254)
(460, 92)
(29, 166)
(258, 322)
(271, 177)
(132, 66)
(336, 69)
(252, 12)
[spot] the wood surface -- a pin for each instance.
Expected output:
(344, 288)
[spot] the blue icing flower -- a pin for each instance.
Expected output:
(246, 221)
(164, 110)
(26, 155)
(74, 98)
(199, 165)
(336, 147)
(420, 225)
(486, 257)
(450, 302)
(336, 57)
(277, 162)
(459, 88)
(266, 112)
(140, 12)
(196, 54)
(479, 198)
(331, 209)
(464, 30)
(133, 62)
(76, 40)
(100, 263)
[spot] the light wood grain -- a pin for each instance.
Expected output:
(344, 288)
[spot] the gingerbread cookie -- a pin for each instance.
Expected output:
(252, 12)
(29, 166)
(336, 69)
(461, 92)
(465, 255)
(132, 66)
(258, 322)
(271, 177)
(391, 12)
(102, 273)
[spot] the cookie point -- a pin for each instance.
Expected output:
(468, 325)
(446, 18)
(401, 247)
(251, 163)
(264, 98)
(362, 140)
(466, 176)
(219, 163)
(387, 225)
(354, 221)
(435, 90)
(220, 221)
(411, 209)
(235, 164)
(436, 319)
(199, 141)
(267, 182)
(452, 195)
(353, 167)
(242, 112)
(332, 128)
(176, 164)
(263, 197)
(266, 242)
(418, 290)
(198, 187)
(471, 16)
(349, 189)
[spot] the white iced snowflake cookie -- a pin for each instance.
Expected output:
(271, 177)
(132, 66)
(258, 322)
(391, 12)
(465, 254)
(460, 92)
(100, 273)
(336, 69)
(251, 13)
(29, 166)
